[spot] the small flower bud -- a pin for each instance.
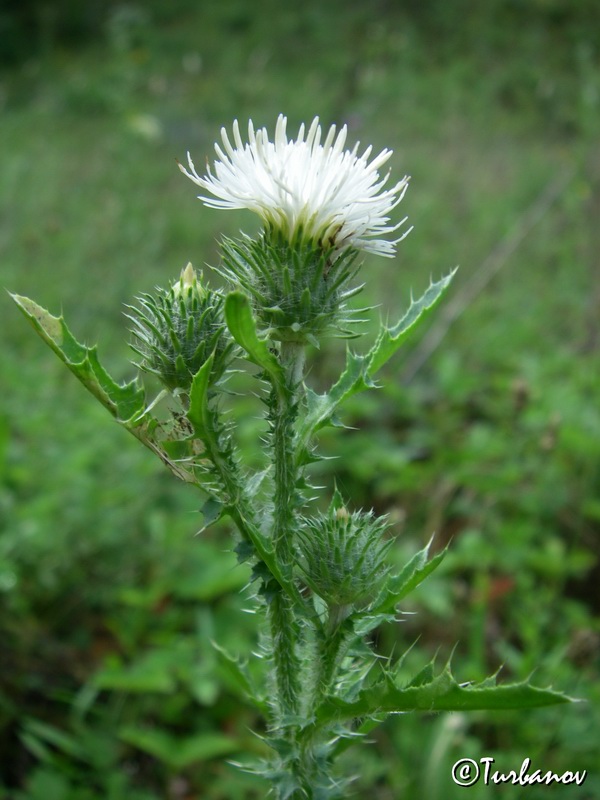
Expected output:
(179, 329)
(188, 283)
(343, 555)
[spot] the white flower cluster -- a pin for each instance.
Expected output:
(320, 192)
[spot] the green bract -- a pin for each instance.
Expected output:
(299, 290)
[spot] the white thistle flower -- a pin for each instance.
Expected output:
(321, 192)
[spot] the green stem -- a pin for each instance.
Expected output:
(309, 769)
(284, 626)
(284, 635)
(285, 470)
(239, 507)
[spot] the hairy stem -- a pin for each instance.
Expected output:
(284, 625)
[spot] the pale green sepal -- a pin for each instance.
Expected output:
(126, 402)
(440, 693)
(390, 339)
(398, 586)
(242, 326)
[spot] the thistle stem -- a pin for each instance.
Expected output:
(284, 626)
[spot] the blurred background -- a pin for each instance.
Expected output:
(487, 430)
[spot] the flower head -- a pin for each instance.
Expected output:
(306, 190)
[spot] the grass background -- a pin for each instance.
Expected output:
(109, 685)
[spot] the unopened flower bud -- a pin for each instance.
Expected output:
(178, 329)
(188, 283)
(343, 555)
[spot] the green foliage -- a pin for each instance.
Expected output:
(343, 554)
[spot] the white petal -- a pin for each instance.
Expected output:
(332, 193)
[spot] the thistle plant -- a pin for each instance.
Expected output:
(321, 577)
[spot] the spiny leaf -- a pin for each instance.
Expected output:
(440, 693)
(390, 339)
(413, 573)
(360, 371)
(124, 401)
(320, 407)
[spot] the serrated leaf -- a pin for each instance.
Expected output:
(242, 326)
(359, 372)
(441, 693)
(126, 402)
(390, 339)
(397, 587)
